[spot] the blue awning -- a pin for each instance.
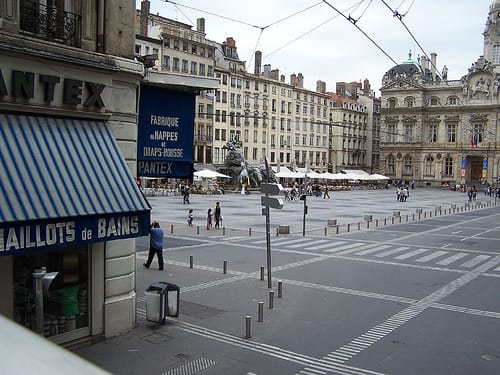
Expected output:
(64, 182)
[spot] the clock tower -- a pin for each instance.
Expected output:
(492, 35)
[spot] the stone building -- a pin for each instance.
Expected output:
(439, 131)
(70, 208)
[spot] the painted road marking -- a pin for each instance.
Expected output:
(411, 254)
(451, 259)
(429, 257)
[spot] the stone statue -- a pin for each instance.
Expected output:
(445, 73)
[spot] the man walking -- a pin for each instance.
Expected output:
(155, 245)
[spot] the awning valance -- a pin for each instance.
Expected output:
(64, 183)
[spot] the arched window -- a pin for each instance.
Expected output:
(408, 165)
(448, 166)
(391, 103)
(409, 102)
(390, 165)
(429, 166)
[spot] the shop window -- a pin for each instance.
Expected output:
(66, 302)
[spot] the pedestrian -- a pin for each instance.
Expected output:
(209, 219)
(217, 215)
(326, 192)
(190, 218)
(186, 195)
(155, 245)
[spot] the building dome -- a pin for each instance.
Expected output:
(408, 69)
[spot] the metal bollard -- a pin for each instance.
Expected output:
(385, 221)
(368, 225)
(249, 232)
(248, 324)
(376, 223)
(172, 228)
(191, 261)
(224, 267)
(262, 273)
(392, 220)
(260, 317)
(280, 289)
(271, 299)
(348, 227)
(359, 225)
(277, 232)
(223, 231)
(326, 231)
(198, 229)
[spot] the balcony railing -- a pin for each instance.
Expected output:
(50, 23)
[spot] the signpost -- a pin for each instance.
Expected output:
(269, 202)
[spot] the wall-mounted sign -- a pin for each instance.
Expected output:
(166, 133)
(19, 237)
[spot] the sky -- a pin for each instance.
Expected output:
(312, 38)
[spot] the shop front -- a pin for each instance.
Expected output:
(70, 208)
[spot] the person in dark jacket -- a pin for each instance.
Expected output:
(155, 245)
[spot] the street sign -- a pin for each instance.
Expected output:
(272, 189)
(271, 202)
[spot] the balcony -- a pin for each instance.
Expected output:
(50, 23)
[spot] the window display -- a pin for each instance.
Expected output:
(65, 299)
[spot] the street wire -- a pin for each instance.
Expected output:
(400, 16)
(354, 21)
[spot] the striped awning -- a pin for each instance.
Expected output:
(64, 182)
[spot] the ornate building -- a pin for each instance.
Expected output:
(435, 130)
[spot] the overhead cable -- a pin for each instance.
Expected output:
(353, 21)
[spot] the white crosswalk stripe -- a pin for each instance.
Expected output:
(411, 254)
(452, 259)
(475, 261)
(311, 243)
(432, 256)
(392, 252)
(345, 247)
(372, 250)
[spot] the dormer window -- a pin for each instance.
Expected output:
(452, 100)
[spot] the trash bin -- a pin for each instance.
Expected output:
(162, 300)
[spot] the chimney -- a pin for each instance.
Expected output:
(230, 42)
(258, 62)
(300, 81)
(433, 63)
(366, 87)
(144, 18)
(200, 25)
(321, 87)
(267, 70)
(293, 79)
(275, 73)
(282, 78)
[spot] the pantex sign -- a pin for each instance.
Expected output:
(166, 130)
(27, 85)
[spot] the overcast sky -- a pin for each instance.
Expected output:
(323, 45)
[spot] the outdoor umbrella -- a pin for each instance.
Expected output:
(207, 173)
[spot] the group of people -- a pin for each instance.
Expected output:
(214, 215)
(402, 193)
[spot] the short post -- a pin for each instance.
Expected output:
(376, 223)
(392, 220)
(198, 229)
(249, 232)
(277, 232)
(223, 231)
(248, 324)
(338, 228)
(224, 267)
(326, 231)
(348, 227)
(359, 225)
(260, 317)
(262, 273)
(191, 261)
(280, 289)
(172, 228)
(368, 225)
(271, 299)
(385, 221)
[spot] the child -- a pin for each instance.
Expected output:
(209, 219)
(190, 218)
